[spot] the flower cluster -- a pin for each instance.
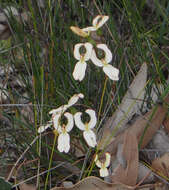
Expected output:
(63, 130)
(90, 53)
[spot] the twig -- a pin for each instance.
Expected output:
(21, 156)
(37, 175)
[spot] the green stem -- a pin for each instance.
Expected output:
(50, 162)
(101, 103)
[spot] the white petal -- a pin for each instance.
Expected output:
(107, 161)
(81, 95)
(41, 129)
(70, 122)
(64, 142)
(90, 138)
(108, 54)
(104, 172)
(59, 110)
(93, 119)
(99, 20)
(89, 29)
(88, 52)
(98, 163)
(76, 52)
(74, 99)
(78, 121)
(55, 119)
(95, 60)
(79, 71)
(111, 72)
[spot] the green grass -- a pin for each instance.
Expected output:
(41, 51)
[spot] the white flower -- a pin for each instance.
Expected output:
(80, 67)
(57, 113)
(59, 110)
(109, 70)
(71, 102)
(88, 134)
(43, 128)
(103, 165)
(64, 138)
(98, 22)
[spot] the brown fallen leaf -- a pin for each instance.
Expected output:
(166, 124)
(128, 175)
(162, 165)
(131, 104)
(143, 128)
(95, 183)
(25, 186)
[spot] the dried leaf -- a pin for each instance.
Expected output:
(145, 174)
(128, 175)
(162, 164)
(166, 124)
(129, 105)
(24, 186)
(143, 128)
(160, 142)
(94, 183)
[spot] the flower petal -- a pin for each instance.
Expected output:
(98, 163)
(78, 121)
(88, 52)
(89, 29)
(74, 99)
(107, 161)
(55, 119)
(42, 128)
(93, 119)
(99, 20)
(70, 122)
(104, 172)
(59, 110)
(95, 60)
(111, 72)
(79, 31)
(108, 54)
(90, 138)
(79, 71)
(76, 52)
(63, 142)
